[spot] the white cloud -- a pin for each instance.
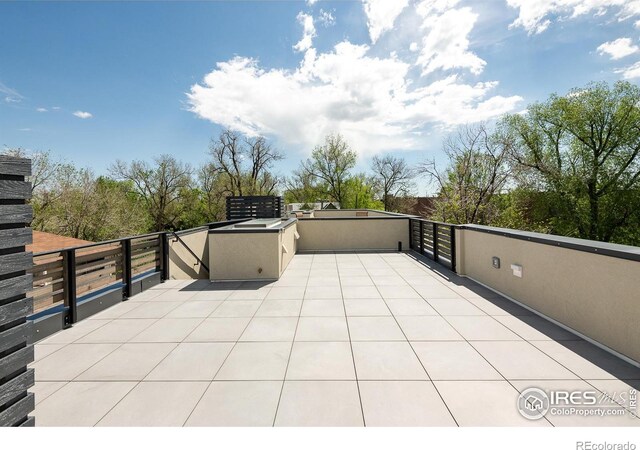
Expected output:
(41, 109)
(83, 114)
(24, 129)
(368, 99)
(535, 15)
(308, 32)
(413, 47)
(618, 49)
(55, 108)
(446, 42)
(311, 2)
(326, 18)
(630, 72)
(381, 15)
(11, 95)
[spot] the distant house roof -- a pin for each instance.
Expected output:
(44, 242)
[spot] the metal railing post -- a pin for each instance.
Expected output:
(436, 252)
(127, 273)
(164, 257)
(422, 237)
(452, 245)
(411, 234)
(70, 292)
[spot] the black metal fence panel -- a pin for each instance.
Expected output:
(257, 207)
(436, 240)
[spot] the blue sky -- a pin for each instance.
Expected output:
(96, 81)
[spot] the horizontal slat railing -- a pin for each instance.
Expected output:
(66, 277)
(436, 240)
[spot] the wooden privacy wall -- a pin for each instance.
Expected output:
(15, 215)
(258, 207)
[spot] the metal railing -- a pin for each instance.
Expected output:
(62, 277)
(436, 240)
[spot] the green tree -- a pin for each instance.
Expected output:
(583, 150)
(330, 165)
(394, 178)
(160, 186)
(359, 193)
(477, 171)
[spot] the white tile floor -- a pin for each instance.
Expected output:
(346, 339)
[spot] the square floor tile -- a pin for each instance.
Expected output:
(499, 307)
(375, 329)
(116, 331)
(410, 307)
(322, 308)
(588, 361)
(114, 311)
(360, 292)
(322, 329)
(484, 403)
(436, 291)
(249, 294)
(455, 307)
(270, 329)
(194, 310)
(197, 361)
(76, 332)
(80, 404)
(388, 280)
(387, 361)
(156, 404)
(286, 293)
(521, 360)
(319, 403)
(447, 360)
(403, 404)
(130, 362)
(167, 330)
(366, 307)
(256, 361)
(389, 292)
(237, 404)
(323, 292)
(43, 389)
(210, 295)
(70, 361)
(428, 328)
(481, 328)
(219, 329)
(362, 280)
(151, 310)
(41, 350)
(237, 308)
(321, 361)
(279, 308)
(535, 328)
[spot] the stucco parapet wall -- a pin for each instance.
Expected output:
(602, 248)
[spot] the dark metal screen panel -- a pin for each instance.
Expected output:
(15, 282)
(257, 207)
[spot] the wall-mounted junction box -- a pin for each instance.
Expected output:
(495, 262)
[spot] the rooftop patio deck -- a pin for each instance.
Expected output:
(340, 339)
